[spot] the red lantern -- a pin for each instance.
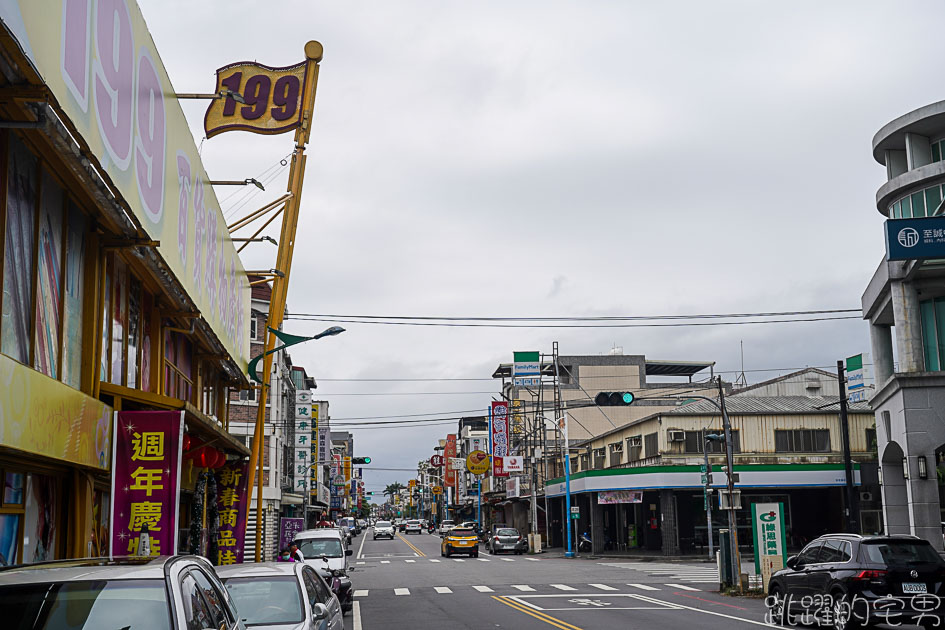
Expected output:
(203, 457)
(220, 460)
(186, 442)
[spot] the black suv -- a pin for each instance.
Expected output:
(847, 581)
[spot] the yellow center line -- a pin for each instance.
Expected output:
(409, 544)
(534, 613)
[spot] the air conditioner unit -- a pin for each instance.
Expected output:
(636, 440)
(866, 496)
(677, 436)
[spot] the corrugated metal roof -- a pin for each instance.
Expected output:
(770, 405)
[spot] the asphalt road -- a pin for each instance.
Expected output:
(405, 583)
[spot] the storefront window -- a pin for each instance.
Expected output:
(119, 316)
(49, 277)
(134, 330)
(73, 294)
(41, 534)
(18, 256)
(923, 203)
(11, 517)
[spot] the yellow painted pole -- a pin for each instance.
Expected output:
(280, 284)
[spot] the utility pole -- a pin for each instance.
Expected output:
(732, 522)
(707, 492)
(852, 515)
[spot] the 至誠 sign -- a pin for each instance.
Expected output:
(915, 239)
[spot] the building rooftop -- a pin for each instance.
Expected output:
(769, 405)
(653, 367)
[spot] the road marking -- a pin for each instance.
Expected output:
(484, 589)
(704, 612)
(408, 561)
(563, 587)
(643, 587)
(411, 545)
(359, 562)
(522, 587)
(458, 560)
(442, 589)
(356, 615)
(508, 560)
(482, 559)
(557, 623)
(361, 593)
(683, 587)
(385, 561)
(361, 548)
(533, 559)
(603, 587)
(433, 560)
(401, 591)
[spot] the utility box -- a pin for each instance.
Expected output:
(632, 541)
(534, 543)
(725, 557)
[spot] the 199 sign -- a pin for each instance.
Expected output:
(257, 92)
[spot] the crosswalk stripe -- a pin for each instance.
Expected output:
(359, 562)
(401, 591)
(482, 559)
(644, 587)
(533, 559)
(361, 593)
(484, 589)
(522, 587)
(409, 561)
(442, 589)
(385, 561)
(433, 560)
(603, 587)
(683, 587)
(458, 560)
(508, 560)
(563, 587)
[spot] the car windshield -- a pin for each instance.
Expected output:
(318, 547)
(447, 523)
(507, 532)
(383, 524)
(86, 605)
(266, 600)
(900, 552)
(462, 532)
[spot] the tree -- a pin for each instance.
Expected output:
(393, 489)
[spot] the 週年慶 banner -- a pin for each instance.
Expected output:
(232, 495)
(146, 480)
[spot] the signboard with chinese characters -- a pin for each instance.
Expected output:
(232, 495)
(450, 453)
(477, 463)
(273, 99)
(767, 524)
(512, 487)
(915, 239)
(526, 369)
(303, 438)
(313, 451)
(498, 467)
(288, 528)
(518, 417)
(499, 429)
(146, 480)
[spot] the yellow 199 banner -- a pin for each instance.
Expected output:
(272, 99)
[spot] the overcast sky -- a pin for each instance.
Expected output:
(565, 159)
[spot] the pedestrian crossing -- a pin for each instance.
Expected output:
(530, 588)
(703, 573)
(419, 560)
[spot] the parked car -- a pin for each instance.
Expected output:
(402, 526)
(850, 581)
(321, 545)
(151, 592)
(290, 595)
(445, 527)
(383, 529)
(351, 524)
(346, 532)
(460, 540)
(507, 539)
(413, 527)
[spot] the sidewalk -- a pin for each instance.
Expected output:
(639, 555)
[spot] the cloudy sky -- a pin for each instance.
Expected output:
(537, 159)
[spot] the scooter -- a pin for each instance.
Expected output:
(431, 529)
(340, 585)
(584, 544)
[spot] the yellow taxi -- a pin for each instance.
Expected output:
(460, 540)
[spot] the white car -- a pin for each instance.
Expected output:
(413, 527)
(445, 527)
(383, 528)
(323, 549)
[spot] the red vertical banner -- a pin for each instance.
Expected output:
(232, 495)
(498, 467)
(146, 459)
(499, 431)
(450, 453)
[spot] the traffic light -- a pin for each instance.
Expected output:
(360, 460)
(614, 399)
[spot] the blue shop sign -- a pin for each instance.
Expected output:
(913, 239)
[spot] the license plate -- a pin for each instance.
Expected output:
(914, 587)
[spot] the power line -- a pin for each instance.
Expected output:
(450, 324)
(589, 317)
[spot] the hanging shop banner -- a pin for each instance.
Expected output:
(273, 99)
(611, 497)
(498, 467)
(518, 417)
(146, 480)
(288, 528)
(512, 488)
(767, 525)
(232, 479)
(499, 429)
(449, 452)
(48, 418)
(101, 65)
(514, 463)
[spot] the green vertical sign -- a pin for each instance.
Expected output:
(767, 526)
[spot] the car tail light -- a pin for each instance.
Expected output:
(496, 539)
(870, 574)
(519, 538)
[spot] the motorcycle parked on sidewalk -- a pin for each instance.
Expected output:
(340, 585)
(585, 544)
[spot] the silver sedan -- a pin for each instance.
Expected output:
(282, 595)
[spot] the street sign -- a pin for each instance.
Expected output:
(437, 489)
(707, 479)
(412, 483)
(575, 515)
(575, 509)
(702, 469)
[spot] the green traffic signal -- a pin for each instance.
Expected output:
(614, 399)
(360, 460)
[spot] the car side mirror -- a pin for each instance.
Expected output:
(319, 611)
(348, 552)
(791, 562)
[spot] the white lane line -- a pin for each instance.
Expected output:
(362, 562)
(533, 559)
(458, 560)
(653, 600)
(522, 587)
(683, 587)
(361, 593)
(563, 587)
(409, 561)
(603, 587)
(442, 589)
(432, 560)
(645, 587)
(356, 615)
(508, 560)
(401, 591)
(482, 559)
(484, 589)
(361, 548)
(385, 561)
